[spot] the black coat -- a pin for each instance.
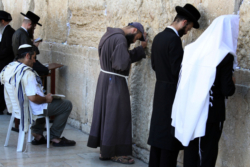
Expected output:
(223, 86)
(22, 37)
(167, 54)
(6, 52)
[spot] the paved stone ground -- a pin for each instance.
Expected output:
(39, 156)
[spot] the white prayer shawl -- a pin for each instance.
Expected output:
(191, 104)
(17, 74)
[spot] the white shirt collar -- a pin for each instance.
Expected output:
(24, 29)
(171, 27)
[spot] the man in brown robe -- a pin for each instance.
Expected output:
(111, 125)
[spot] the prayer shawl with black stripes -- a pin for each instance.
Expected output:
(16, 74)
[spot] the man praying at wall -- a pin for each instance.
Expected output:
(206, 80)
(6, 52)
(25, 35)
(111, 125)
(167, 54)
(25, 88)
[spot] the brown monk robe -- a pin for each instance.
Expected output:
(111, 125)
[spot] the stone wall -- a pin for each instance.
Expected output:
(72, 29)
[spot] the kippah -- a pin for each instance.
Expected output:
(24, 46)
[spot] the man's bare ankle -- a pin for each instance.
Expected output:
(56, 140)
(37, 136)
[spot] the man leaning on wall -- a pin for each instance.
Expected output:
(111, 128)
(167, 54)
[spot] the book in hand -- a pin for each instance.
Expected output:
(57, 96)
(38, 40)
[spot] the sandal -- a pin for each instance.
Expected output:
(39, 142)
(64, 142)
(123, 160)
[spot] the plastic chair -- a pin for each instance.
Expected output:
(21, 135)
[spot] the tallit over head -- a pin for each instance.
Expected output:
(191, 104)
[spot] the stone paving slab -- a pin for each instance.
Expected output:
(39, 156)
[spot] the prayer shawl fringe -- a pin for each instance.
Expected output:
(191, 104)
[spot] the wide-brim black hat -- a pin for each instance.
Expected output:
(5, 16)
(33, 17)
(191, 12)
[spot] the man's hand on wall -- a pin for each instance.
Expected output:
(144, 43)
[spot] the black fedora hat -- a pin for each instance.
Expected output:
(33, 17)
(191, 12)
(5, 16)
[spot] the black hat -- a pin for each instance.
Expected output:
(191, 12)
(5, 16)
(33, 17)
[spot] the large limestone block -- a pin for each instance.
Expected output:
(87, 22)
(141, 84)
(77, 79)
(244, 35)
(56, 21)
(41, 8)
(234, 150)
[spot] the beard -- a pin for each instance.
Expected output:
(31, 32)
(130, 39)
(181, 32)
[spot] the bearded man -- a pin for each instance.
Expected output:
(25, 35)
(111, 128)
(6, 52)
(166, 58)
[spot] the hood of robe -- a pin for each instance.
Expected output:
(109, 33)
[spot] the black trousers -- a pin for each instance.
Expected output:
(202, 152)
(2, 101)
(162, 158)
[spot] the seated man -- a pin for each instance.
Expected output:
(28, 89)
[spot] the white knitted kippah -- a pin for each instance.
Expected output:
(24, 46)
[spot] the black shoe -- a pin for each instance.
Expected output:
(64, 142)
(8, 113)
(1, 113)
(104, 159)
(39, 142)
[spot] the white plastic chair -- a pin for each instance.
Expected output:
(21, 135)
(16, 114)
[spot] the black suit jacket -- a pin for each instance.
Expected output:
(167, 54)
(6, 52)
(223, 86)
(22, 37)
